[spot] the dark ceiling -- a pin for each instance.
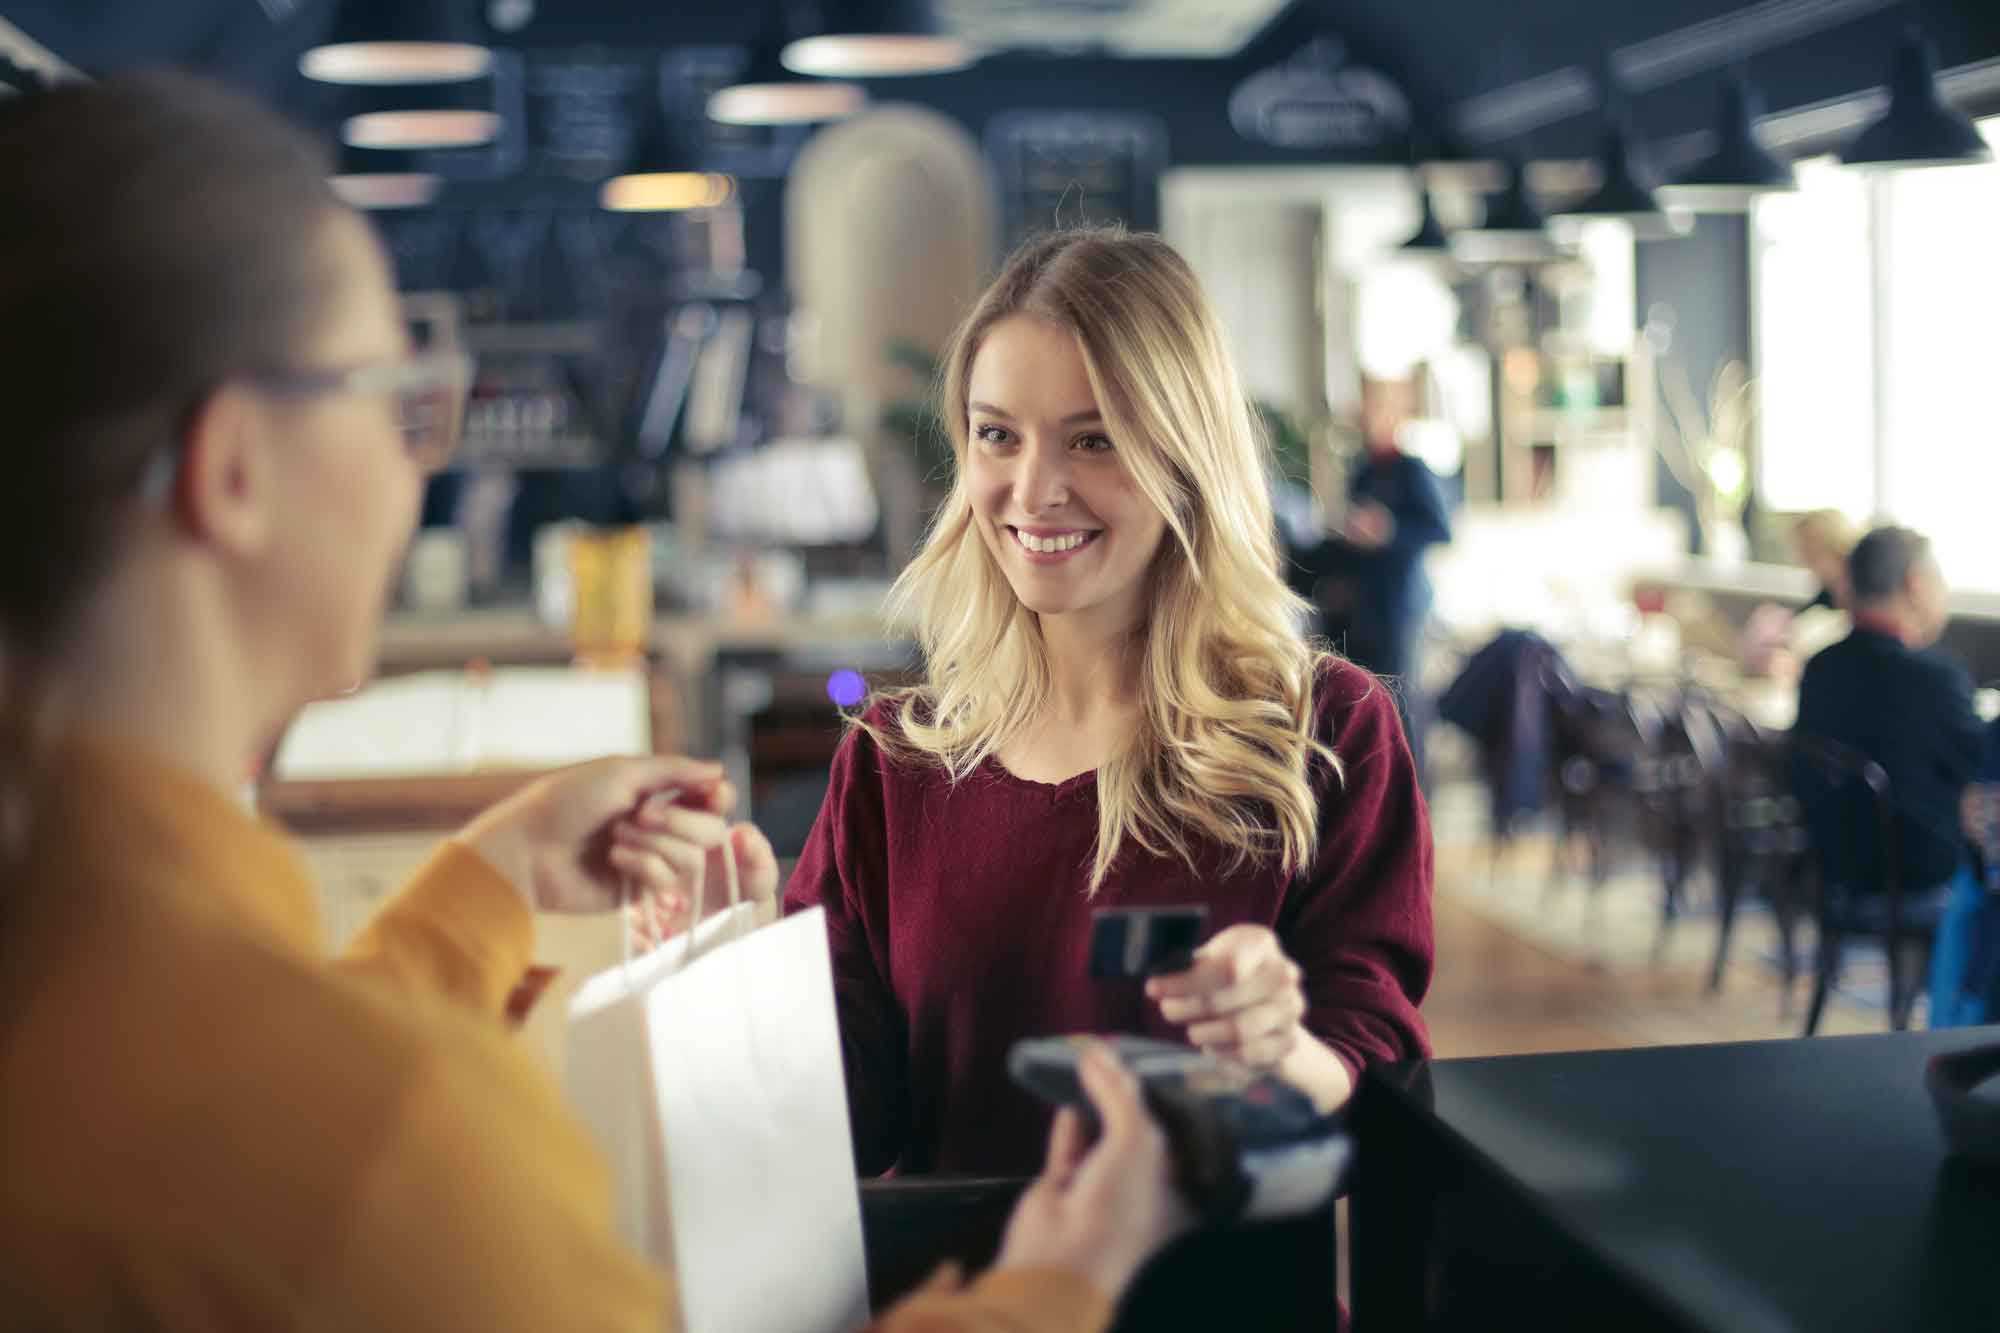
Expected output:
(1481, 75)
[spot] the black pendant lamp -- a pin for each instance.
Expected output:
(1918, 130)
(1627, 192)
(1513, 232)
(662, 176)
(1740, 168)
(881, 39)
(396, 42)
(770, 94)
(1430, 240)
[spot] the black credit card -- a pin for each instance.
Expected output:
(1144, 941)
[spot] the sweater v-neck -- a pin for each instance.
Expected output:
(1079, 784)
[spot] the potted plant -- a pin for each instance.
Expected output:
(1708, 451)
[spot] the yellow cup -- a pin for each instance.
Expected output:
(611, 589)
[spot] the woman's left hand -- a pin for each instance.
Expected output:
(1242, 999)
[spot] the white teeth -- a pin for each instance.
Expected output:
(1051, 545)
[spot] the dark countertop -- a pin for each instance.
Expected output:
(1756, 1186)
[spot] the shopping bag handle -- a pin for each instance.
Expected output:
(735, 890)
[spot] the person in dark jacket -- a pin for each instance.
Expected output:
(1884, 691)
(1396, 510)
(1367, 579)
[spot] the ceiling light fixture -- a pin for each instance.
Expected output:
(1430, 238)
(1741, 168)
(1918, 130)
(889, 40)
(767, 93)
(1626, 192)
(661, 178)
(415, 130)
(1513, 232)
(370, 179)
(375, 44)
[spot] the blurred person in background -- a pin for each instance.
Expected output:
(1822, 540)
(1374, 597)
(1979, 816)
(1119, 709)
(1777, 641)
(218, 439)
(1885, 692)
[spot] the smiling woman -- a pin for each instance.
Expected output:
(1118, 710)
(1057, 508)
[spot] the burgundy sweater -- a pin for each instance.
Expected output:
(959, 923)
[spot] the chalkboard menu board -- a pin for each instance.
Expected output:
(1062, 168)
(586, 109)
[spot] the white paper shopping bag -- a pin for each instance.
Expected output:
(710, 1073)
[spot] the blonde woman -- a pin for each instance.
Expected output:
(1823, 539)
(1118, 711)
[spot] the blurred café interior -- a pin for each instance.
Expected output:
(1672, 302)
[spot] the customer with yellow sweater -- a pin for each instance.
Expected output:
(205, 1123)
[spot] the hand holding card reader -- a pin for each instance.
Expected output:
(1245, 1146)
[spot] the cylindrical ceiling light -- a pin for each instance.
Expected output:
(412, 131)
(1741, 168)
(422, 118)
(661, 178)
(378, 180)
(770, 94)
(1918, 130)
(887, 39)
(401, 42)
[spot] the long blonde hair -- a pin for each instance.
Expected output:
(1223, 749)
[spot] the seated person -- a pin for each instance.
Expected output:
(1778, 639)
(1970, 995)
(1823, 539)
(1119, 710)
(1885, 693)
(218, 442)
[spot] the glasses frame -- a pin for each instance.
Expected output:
(431, 386)
(441, 375)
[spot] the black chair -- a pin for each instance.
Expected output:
(1678, 785)
(1854, 829)
(1763, 845)
(1600, 741)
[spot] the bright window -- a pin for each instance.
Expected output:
(1886, 408)
(1941, 244)
(1815, 351)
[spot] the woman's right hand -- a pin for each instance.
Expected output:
(1100, 1211)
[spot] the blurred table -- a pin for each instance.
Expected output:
(1789, 1185)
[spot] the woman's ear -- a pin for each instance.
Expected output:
(223, 493)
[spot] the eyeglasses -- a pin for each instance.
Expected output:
(430, 390)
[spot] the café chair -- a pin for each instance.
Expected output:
(1854, 830)
(1678, 785)
(1763, 846)
(1601, 740)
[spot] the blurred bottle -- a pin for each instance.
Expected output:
(611, 584)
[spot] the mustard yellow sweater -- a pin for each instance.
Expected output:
(207, 1124)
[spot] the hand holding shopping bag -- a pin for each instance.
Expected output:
(710, 1073)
